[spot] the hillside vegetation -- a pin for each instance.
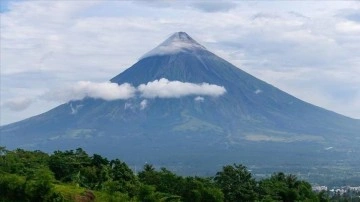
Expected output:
(76, 176)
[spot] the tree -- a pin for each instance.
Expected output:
(201, 189)
(120, 171)
(281, 187)
(164, 180)
(39, 185)
(237, 183)
(11, 187)
(20, 161)
(99, 161)
(124, 176)
(67, 165)
(149, 175)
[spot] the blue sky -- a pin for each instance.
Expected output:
(309, 49)
(4, 5)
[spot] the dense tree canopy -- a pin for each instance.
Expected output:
(237, 183)
(76, 176)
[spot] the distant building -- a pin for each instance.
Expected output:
(319, 188)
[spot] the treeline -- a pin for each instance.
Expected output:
(75, 176)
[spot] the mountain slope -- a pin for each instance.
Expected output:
(252, 121)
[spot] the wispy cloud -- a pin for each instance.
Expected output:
(164, 88)
(352, 14)
(17, 104)
(199, 99)
(214, 6)
(143, 104)
(82, 89)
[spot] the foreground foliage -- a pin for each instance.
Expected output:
(76, 176)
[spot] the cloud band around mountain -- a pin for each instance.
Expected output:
(82, 89)
(162, 88)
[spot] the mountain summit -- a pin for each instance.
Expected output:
(178, 42)
(194, 111)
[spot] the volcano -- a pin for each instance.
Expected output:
(192, 112)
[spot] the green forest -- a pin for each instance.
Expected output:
(75, 175)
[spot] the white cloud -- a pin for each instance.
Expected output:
(199, 99)
(214, 6)
(82, 89)
(17, 104)
(348, 27)
(75, 109)
(128, 105)
(164, 88)
(143, 104)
